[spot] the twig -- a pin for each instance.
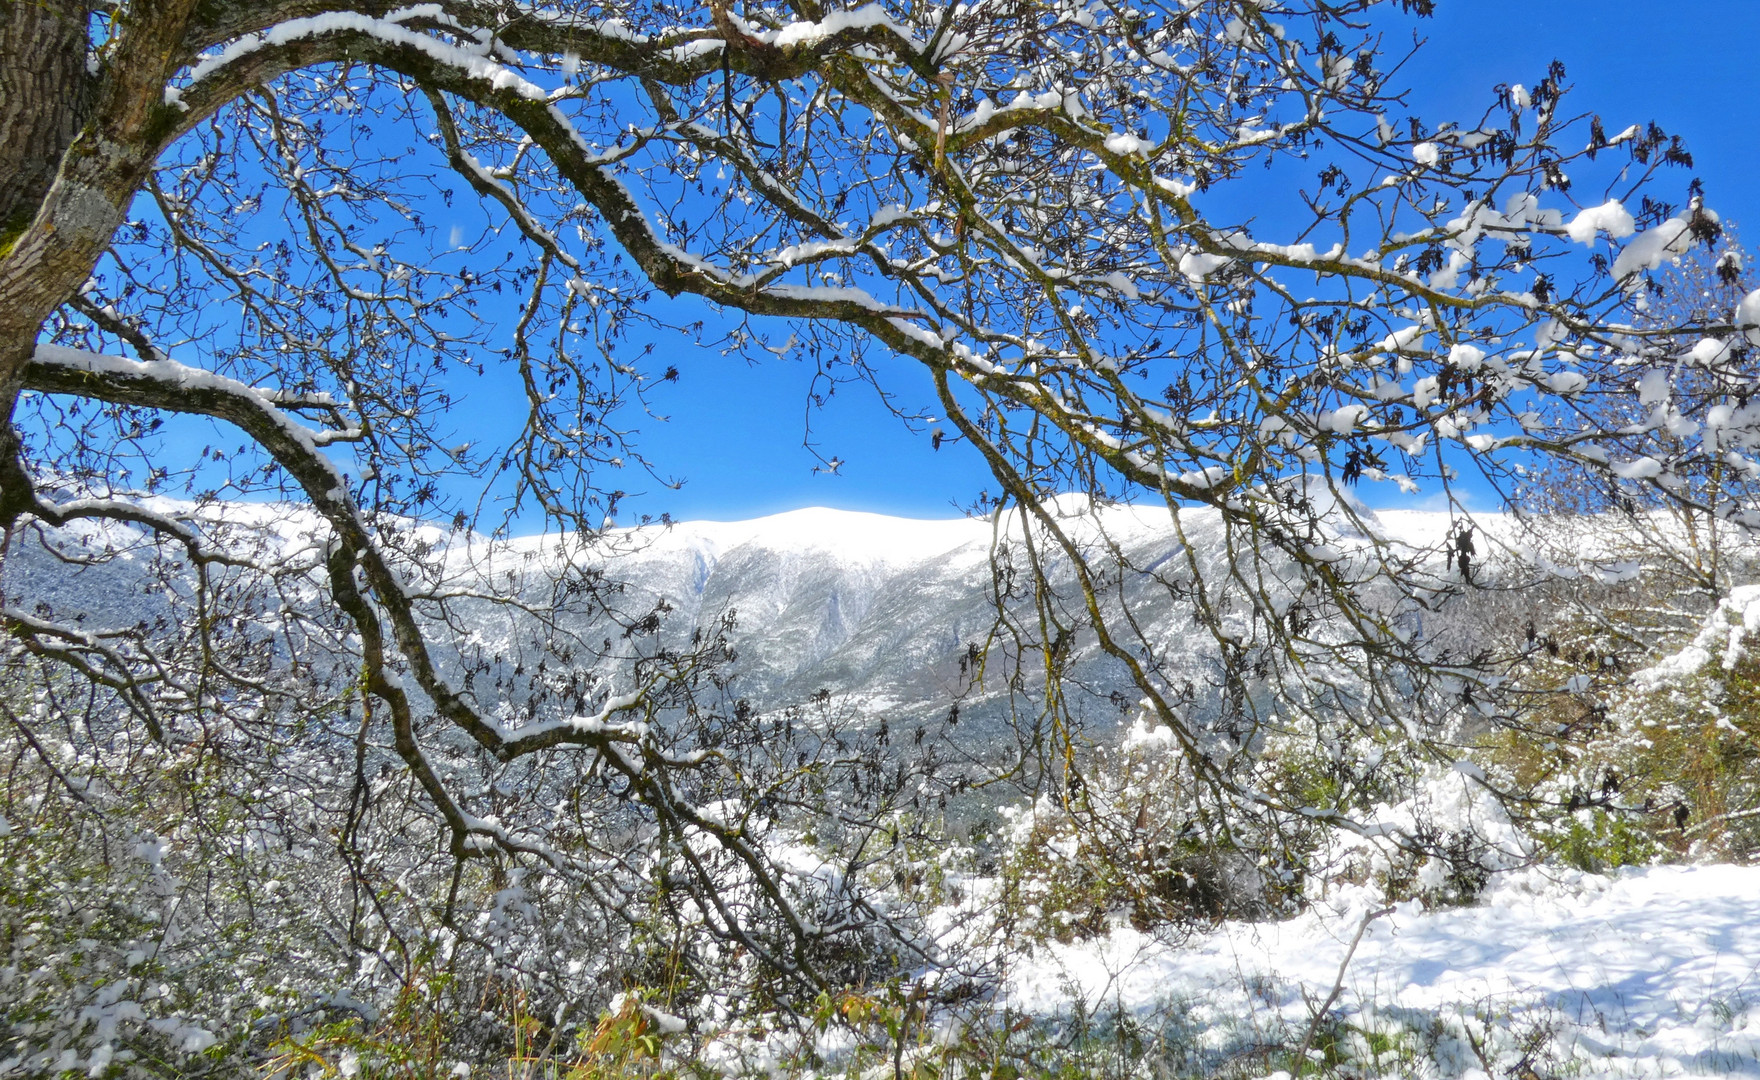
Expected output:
(1720, 819)
(1301, 1063)
(945, 79)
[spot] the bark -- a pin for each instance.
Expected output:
(94, 179)
(44, 93)
(43, 97)
(76, 147)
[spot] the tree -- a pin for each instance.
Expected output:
(1691, 553)
(1029, 200)
(1644, 570)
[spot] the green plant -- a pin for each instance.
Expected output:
(627, 1043)
(408, 1042)
(1663, 762)
(1598, 840)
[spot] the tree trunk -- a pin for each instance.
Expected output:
(74, 148)
(43, 95)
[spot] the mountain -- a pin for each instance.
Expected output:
(889, 615)
(881, 611)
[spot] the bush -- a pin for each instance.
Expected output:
(98, 971)
(1134, 843)
(1623, 767)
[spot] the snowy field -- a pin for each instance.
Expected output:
(1654, 972)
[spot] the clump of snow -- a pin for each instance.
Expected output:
(1567, 382)
(1651, 248)
(1127, 145)
(1610, 217)
(1654, 387)
(1725, 634)
(1198, 265)
(1747, 316)
(1708, 352)
(1454, 804)
(1344, 419)
(1640, 468)
(803, 34)
(1146, 735)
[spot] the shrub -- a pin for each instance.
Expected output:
(1135, 842)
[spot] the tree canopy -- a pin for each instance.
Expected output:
(1194, 256)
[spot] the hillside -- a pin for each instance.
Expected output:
(1111, 930)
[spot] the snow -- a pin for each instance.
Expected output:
(1466, 357)
(803, 34)
(1179, 189)
(1344, 419)
(1654, 387)
(1709, 352)
(1610, 217)
(1203, 479)
(1747, 316)
(834, 294)
(1641, 468)
(1647, 973)
(1128, 145)
(1567, 382)
(1725, 633)
(1198, 265)
(853, 535)
(1649, 249)
(1653, 972)
(388, 30)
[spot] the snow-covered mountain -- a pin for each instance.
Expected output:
(883, 612)
(825, 599)
(880, 611)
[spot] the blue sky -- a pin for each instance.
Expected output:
(736, 431)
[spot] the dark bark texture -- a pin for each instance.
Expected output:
(43, 98)
(42, 101)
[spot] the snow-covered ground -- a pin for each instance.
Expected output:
(1652, 972)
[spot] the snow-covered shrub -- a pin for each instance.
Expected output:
(1439, 844)
(1138, 842)
(1134, 842)
(1620, 763)
(263, 890)
(209, 905)
(1681, 754)
(101, 962)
